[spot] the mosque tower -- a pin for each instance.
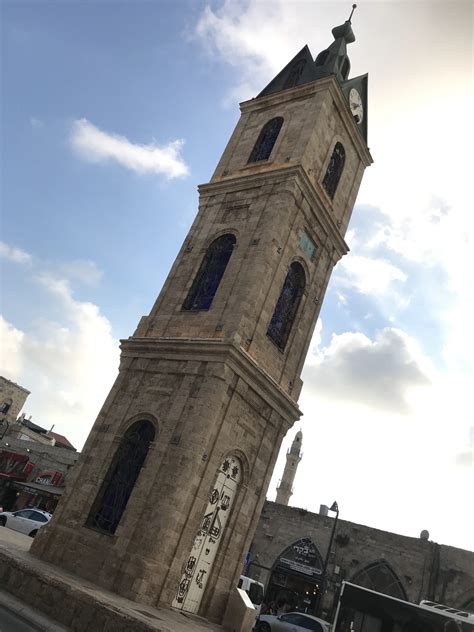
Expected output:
(293, 457)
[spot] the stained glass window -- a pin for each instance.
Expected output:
(295, 74)
(210, 273)
(120, 480)
(287, 305)
(334, 170)
(381, 578)
(266, 140)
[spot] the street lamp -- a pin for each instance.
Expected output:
(334, 508)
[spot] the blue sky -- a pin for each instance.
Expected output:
(114, 112)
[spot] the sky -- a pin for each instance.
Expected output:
(113, 113)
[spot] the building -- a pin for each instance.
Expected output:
(34, 462)
(290, 548)
(12, 399)
(167, 493)
(293, 457)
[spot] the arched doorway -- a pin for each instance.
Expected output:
(296, 577)
(380, 577)
(199, 564)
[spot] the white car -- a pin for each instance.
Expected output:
(25, 520)
(291, 622)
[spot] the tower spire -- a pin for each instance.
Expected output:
(354, 7)
(293, 457)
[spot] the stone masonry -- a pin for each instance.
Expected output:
(211, 382)
(425, 569)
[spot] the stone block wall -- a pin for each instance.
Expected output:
(425, 569)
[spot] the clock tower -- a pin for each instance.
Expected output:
(164, 500)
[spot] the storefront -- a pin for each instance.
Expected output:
(296, 577)
(13, 467)
(39, 495)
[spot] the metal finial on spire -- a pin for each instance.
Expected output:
(354, 7)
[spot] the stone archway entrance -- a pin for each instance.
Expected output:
(296, 577)
(380, 577)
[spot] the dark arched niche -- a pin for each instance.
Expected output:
(266, 140)
(210, 273)
(380, 577)
(121, 477)
(287, 305)
(334, 170)
(295, 74)
(297, 576)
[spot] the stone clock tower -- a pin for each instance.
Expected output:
(165, 498)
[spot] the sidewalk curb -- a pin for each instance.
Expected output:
(33, 617)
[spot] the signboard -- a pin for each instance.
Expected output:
(302, 557)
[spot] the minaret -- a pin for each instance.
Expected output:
(293, 457)
(165, 498)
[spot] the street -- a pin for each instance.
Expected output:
(12, 622)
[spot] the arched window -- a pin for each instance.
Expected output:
(266, 140)
(295, 74)
(345, 68)
(287, 305)
(469, 606)
(322, 58)
(381, 578)
(334, 170)
(120, 480)
(210, 273)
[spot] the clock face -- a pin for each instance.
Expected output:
(355, 103)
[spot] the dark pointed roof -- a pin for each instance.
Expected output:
(331, 61)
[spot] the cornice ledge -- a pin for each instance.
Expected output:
(290, 94)
(216, 351)
(247, 179)
(285, 172)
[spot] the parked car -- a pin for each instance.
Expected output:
(291, 622)
(25, 520)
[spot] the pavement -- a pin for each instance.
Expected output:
(37, 590)
(15, 616)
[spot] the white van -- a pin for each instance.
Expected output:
(253, 589)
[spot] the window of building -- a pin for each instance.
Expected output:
(334, 170)
(210, 273)
(287, 305)
(295, 74)
(120, 480)
(266, 140)
(322, 58)
(346, 66)
(381, 578)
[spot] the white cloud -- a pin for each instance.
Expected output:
(16, 255)
(11, 341)
(94, 145)
(377, 374)
(67, 363)
(36, 122)
(369, 275)
(83, 270)
(65, 355)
